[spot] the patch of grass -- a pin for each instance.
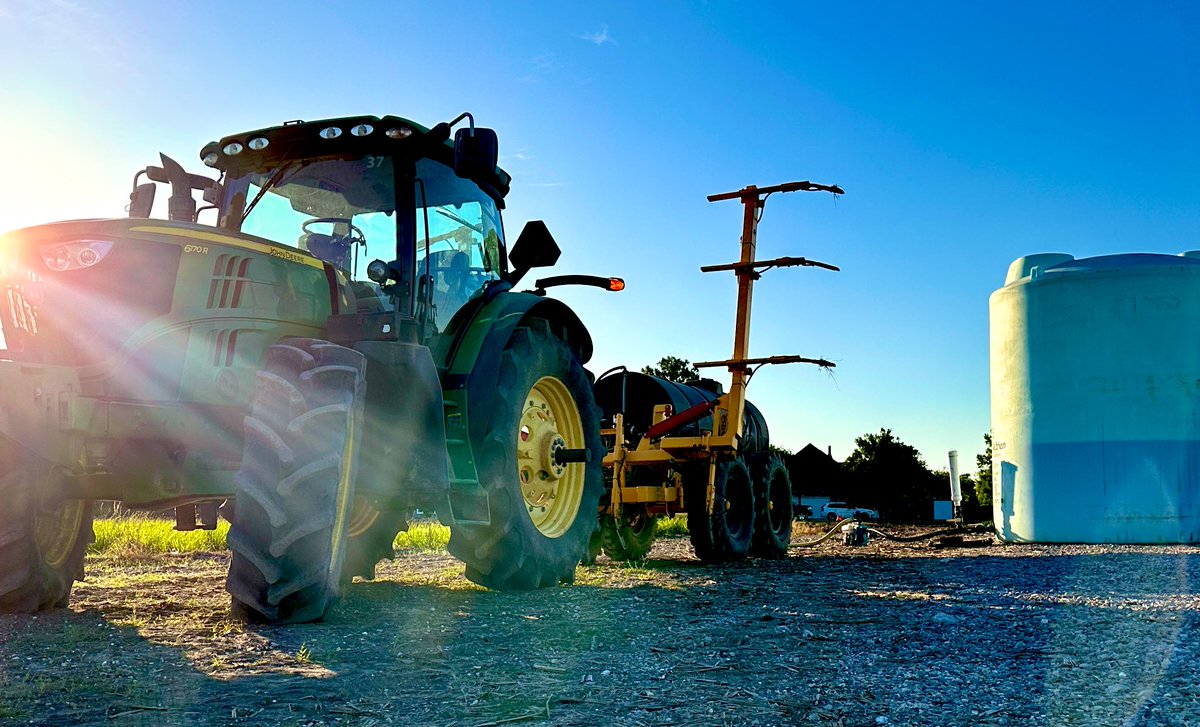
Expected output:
(224, 627)
(804, 529)
(671, 527)
(141, 535)
(304, 655)
(431, 537)
(133, 620)
(423, 538)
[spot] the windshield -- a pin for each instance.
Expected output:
(460, 241)
(339, 210)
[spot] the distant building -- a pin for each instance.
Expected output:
(815, 472)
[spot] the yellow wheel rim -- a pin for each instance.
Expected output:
(57, 529)
(362, 516)
(549, 422)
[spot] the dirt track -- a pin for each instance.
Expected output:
(890, 634)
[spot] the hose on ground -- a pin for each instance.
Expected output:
(832, 531)
(936, 533)
(978, 528)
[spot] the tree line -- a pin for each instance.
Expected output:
(882, 472)
(885, 473)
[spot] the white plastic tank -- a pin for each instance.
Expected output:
(1095, 382)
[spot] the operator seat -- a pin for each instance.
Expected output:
(333, 249)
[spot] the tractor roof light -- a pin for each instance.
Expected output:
(330, 132)
(233, 148)
(362, 130)
(210, 159)
(258, 143)
(398, 132)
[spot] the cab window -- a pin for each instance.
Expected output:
(460, 241)
(339, 210)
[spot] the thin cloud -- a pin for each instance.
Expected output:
(599, 37)
(539, 65)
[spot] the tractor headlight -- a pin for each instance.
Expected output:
(63, 256)
(330, 132)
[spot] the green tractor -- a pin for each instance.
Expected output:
(338, 345)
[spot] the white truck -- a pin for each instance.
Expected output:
(835, 511)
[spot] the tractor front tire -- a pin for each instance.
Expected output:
(773, 509)
(543, 513)
(628, 537)
(295, 488)
(725, 532)
(42, 542)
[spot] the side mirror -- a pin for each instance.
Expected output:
(142, 200)
(535, 248)
(476, 152)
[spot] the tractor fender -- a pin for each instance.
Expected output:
(489, 330)
(471, 371)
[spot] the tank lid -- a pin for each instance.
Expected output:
(1032, 266)
(1023, 266)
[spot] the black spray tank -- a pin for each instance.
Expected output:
(636, 395)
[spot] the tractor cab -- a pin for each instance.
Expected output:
(408, 221)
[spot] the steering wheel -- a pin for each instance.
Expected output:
(349, 239)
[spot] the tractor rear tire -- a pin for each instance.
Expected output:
(370, 538)
(726, 532)
(42, 543)
(628, 537)
(773, 509)
(542, 514)
(296, 485)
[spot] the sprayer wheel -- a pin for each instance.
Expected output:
(773, 508)
(296, 484)
(628, 537)
(542, 513)
(725, 532)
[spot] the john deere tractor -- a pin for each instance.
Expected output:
(330, 342)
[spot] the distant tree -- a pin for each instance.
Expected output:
(983, 477)
(888, 474)
(781, 451)
(670, 368)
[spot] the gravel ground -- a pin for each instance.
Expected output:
(887, 634)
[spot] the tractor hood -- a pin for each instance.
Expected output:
(82, 292)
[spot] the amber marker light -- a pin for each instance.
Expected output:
(616, 284)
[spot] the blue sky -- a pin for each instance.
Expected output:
(965, 136)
